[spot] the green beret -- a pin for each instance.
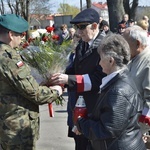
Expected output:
(14, 23)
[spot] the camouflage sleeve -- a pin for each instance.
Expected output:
(18, 75)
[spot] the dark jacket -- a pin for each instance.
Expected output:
(86, 64)
(113, 124)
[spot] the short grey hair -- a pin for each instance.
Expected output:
(116, 46)
(137, 33)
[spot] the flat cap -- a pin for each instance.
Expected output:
(88, 15)
(14, 23)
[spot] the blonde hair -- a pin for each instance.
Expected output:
(144, 24)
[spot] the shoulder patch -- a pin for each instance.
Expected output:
(20, 63)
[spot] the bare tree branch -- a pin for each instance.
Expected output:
(10, 6)
(2, 9)
(126, 4)
(134, 9)
(130, 8)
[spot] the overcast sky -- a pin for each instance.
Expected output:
(77, 3)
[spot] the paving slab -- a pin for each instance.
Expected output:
(53, 131)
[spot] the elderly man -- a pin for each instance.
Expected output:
(85, 75)
(20, 94)
(140, 68)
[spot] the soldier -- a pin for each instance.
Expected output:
(20, 94)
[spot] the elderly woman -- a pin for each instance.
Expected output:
(113, 125)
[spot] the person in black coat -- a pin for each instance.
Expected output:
(85, 75)
(105, 28)
(113, 123)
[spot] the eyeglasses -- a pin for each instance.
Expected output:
(81, 26)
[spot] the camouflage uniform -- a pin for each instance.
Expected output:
(20, 97)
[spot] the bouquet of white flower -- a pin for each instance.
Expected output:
(44, 62)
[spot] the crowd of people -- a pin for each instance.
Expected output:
(136, 35)
(110, 70)
(127, 48)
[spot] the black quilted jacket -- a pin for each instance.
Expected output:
(113, 125)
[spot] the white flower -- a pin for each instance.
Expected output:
(42, 31)
(42, 42)
(37, 33)
(34, 34)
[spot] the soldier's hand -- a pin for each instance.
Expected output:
(58, 88)
(59, 78)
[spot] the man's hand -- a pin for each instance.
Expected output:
(58, 79)
(58, 88)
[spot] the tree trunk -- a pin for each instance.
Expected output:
(116, 11)
(134, 9)
(88, 3)
(27, 16)
(80, 5)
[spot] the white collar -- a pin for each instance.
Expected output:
(92, 40)
(106, 79)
